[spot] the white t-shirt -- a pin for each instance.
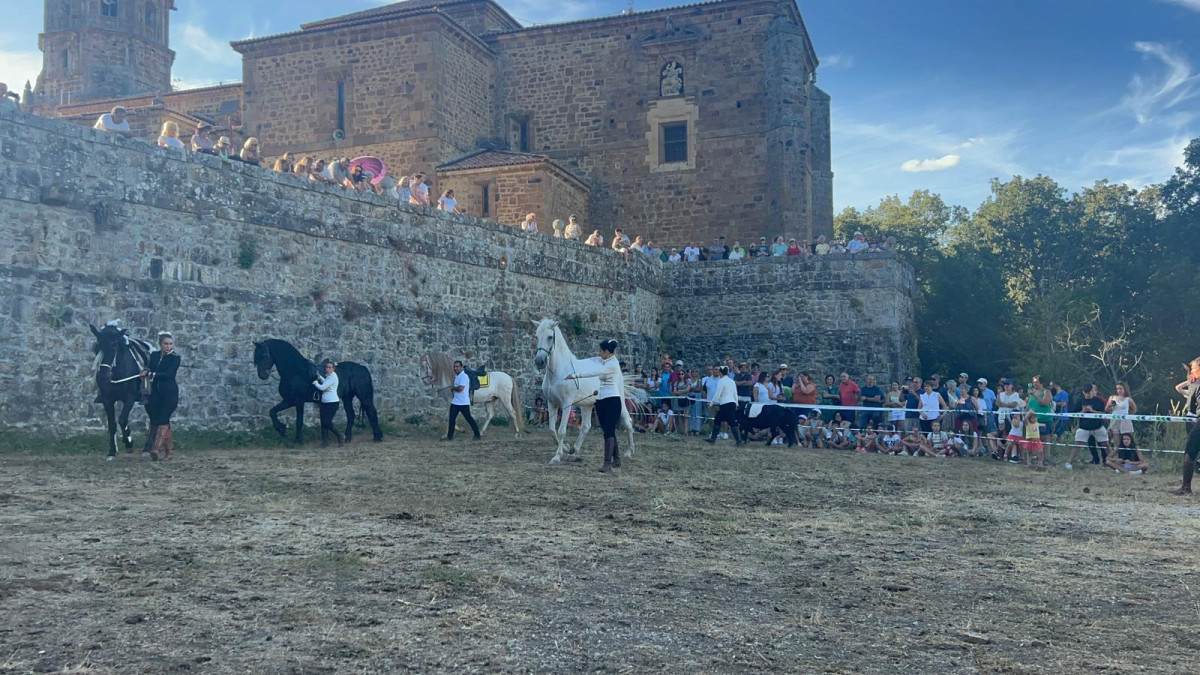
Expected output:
(169, 142)
(891, 441)
(691, 254)
(462, 397)
(710, 387)
(761, 395)
(448, 204)
(856, 246)
(420, 194)
(106, 123)
(665, 418)
(736, 255)
(531, 226)
(1013, 399)
(674, 257)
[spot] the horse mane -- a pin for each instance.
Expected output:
(441, 364)
(287, 356)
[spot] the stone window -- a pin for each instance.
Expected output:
(341, 106)
(518, 133)
(672, 135)
(109, 8)
(674, 142)
(66, 61)
(486, 199)
(152, 18)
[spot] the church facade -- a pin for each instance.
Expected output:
(680, 124)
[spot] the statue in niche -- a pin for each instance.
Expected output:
(670, 81)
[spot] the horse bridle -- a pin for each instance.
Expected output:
(136, 359)
(550, 352)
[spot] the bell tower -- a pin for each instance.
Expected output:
(96, 49)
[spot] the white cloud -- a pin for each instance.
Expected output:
(17, 67)
(1189, 4)
(923, 165)
(533, 12)
(1149, 97)
(837, 61)
(196, 40)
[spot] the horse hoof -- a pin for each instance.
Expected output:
(552, 462)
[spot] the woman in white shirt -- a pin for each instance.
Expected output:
(1120, 403)
(328, 386)
(447, 202)
(574, 230)
(932, 405)
(726, 400)
(169, 136)
(610, 399)
(530, 223)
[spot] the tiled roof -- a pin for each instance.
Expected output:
(490, 159)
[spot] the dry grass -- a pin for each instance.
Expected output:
(479, 558)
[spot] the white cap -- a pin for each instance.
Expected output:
(982, 379)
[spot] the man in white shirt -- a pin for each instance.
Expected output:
(420, 192)
(691, 253)
(726, 400)
(460, 402)
(620, 243)
(114, 122)
(858, 244)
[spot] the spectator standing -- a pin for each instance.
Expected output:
(249, 153)
(169, 136)
(420, 191)
(316, 172)
(1042, 403)
(223, 148)
(286, 164)
(718, 251)
(556, 228)
(821, 248)
(830, 396)
(804, 393)
(201, 139)
(932, 407)
(778, 248)
(1121, 403)
(674, 256)
(449, 204)
(737, 252)
(530, 223)
(858, 244)
(114, 122)
(871, 397)
(1009, 400)
(763, 250)
(849, 395)
(574, 230)
(691, 253)
(726, 400)
(303, 168)
(894, 402)
(793, 249)
(912, 406)
(744, 380)
(594, 239)
(1091, 429)
(403, 191)
(990, 396)
(1190, 390)
(1061, 400)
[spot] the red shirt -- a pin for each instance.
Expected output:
(849, 392)
(793, 250)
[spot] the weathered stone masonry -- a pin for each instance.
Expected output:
(223, 254)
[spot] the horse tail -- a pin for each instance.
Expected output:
(518, 412)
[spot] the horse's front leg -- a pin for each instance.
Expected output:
(585, 425)
(123, 422)
(279, 427)
(490, 407)
(559, 428)
(110, 413)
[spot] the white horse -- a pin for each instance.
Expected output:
(555, 357)
(437, 369)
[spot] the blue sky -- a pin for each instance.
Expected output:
(936, 94)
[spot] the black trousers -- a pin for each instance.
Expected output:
(465, 411)
(725, 413)
(608, 412)
(1193, 442)
(328, 410)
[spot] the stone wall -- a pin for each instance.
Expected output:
(821, 314)
(515, 191)
(223, 254)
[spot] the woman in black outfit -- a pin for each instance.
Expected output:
(164, 397)
(610, 399)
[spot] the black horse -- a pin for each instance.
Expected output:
(121, 359)
(296, 375)
(773, 417)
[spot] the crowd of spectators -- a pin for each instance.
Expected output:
(931, 417)
(720, 250)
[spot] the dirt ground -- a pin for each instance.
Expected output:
(478, 557)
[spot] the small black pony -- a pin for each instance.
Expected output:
(120, 360)
(296, 375)
(773, 417)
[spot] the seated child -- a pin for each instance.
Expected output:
(889, 441)
(938, 439)
(1127, 457)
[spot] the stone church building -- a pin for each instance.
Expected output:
(681, 123)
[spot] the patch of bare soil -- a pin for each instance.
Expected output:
(478, 557)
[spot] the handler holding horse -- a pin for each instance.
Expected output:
(609, 402)
(164, 397)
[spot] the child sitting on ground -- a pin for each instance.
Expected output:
(539, 415)
(889, 442)
(664, 423)
(956, 446)
(868, 440)
(915, 444)
(818, 434)
(938, 439)
(843, 438)
(1127, 457)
